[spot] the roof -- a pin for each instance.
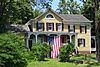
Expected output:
(65, 17)
(47, 11)
(30, 22)
(74, 18)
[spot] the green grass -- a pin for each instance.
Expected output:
(52, 63)
(56, 63)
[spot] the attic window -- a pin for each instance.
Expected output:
(49, 16)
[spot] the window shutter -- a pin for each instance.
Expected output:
(47, 26)
(62, 26)
(53, 26)
(37, 26)
(74, 28)
(85, 29)
(56, 26)
(84, 42)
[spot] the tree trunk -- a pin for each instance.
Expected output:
(97, 32)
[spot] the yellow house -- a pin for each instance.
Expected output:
(72, 28)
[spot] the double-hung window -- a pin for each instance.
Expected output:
(59, 26)
(83, 29)
(40, 26)
(71, 28)
(50, 26)
(81, 42)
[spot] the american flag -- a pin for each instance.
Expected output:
(56, 46)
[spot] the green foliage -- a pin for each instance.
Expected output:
(19, 11)
(11, 51)
(39, 51)
(99, 11)
(65, 52)
(15, 11)
(89, 12)
(88, 9)
(42, 4)
(71, 6)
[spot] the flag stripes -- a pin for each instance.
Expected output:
(56, 46)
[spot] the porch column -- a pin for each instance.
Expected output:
(70, 38)
(75, 42)
(36, 38)
(27, 36)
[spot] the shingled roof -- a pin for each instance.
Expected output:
(74, 18)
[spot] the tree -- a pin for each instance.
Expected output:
(11, 51)
(18, 11)
(42, 4)
(62, 7)
(70, 6)
(15, 11)
(91, 11)
(97, 24)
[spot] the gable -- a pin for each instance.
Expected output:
(43, 17)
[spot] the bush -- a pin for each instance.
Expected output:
(39, 51)
(11, 51)
(65, 52)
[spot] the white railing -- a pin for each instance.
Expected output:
(93, 49)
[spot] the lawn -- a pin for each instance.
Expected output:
(56, 63)
(52, 63)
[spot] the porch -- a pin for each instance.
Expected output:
(49, 38)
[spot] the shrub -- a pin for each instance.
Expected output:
(39, 51)
(11, 51)
(65, 52)
(10, 57)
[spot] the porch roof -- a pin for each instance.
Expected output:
(51, 33)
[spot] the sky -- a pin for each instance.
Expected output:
(55, 3)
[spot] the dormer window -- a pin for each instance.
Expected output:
(49, 16)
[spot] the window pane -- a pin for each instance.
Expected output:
(81, 42)
(50, 26)
(71, 28)
(40, 26)
(49, 16)
(82, 29)
(59, 26)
